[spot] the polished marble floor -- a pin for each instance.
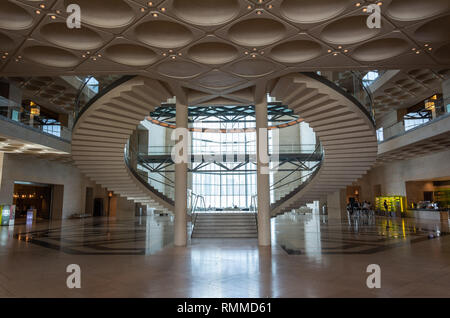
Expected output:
(310, 256)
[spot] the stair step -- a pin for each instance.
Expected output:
(225, 225)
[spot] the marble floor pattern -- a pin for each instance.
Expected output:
(310, 256)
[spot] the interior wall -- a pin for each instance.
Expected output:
(392, 176)
(31, 169)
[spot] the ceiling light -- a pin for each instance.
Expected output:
(164, 54)
(259, 12)
(179, 54)
(150, 4)
(142, 9)
(173, 57)
(53, 17)
(99, 55)
(335, 53)
(249, 7)
(155, 15)
(379, 3)
(42, 6)
(358, 4)
(417, 52)
(345, 51)
(253, 55)
(413, 49)
(260, 1)
(426, 44)
(270, 6)
(246, 53)
(364, 9)
(38, 11)
(329, 51)
(429, 49)
(340, 47)
(163, 9)
(58, 12)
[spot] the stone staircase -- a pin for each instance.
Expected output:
(225, 225)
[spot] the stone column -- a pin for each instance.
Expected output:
(262, 174)
(180, 226)
(337, 205)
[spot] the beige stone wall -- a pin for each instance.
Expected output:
(27, 168)
(393, 176)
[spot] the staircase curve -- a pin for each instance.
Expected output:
(102, 130)
(344, 127)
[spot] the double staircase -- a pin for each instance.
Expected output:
(225, 225)
(343, 125)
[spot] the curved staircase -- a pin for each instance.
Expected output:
(102, 130)
(345, 130)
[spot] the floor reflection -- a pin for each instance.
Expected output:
(311, 256)
(101, 236)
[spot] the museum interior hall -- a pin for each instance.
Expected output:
(224, 148)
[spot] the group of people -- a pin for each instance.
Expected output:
(356, 207)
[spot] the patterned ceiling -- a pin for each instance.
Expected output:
(220, 50)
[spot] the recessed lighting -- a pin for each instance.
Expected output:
(53, 17)
(270, 6)
(142, 9)
(253, 55)
(179, 54)
(340, 47)
(426, 44)
(358, 4)
(329, 51)
(246, 53)
(58, 12)
(259, 12)
(413, 49)
(249, 7)
(417, 52)
(364, 9)
(38, 11)
(99, 55)
(335, 53)
(155, 15)
(42, 6)
(164, 54)
(345, 51)
(429, 49)
(163, 9)
(173, 57)
(150, 4)
(379, 3)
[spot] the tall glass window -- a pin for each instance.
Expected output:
(225, 184)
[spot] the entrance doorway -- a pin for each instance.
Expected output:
(35, 197)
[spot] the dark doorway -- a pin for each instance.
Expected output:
(34, 197)
(428, 196)
(98, 207)
(89, 204)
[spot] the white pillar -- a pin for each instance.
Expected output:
(180, 226)
(262, 176)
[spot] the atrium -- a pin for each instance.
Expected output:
(224, 148)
